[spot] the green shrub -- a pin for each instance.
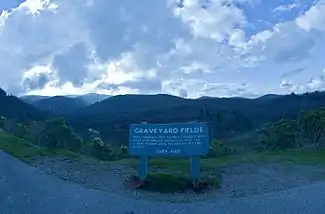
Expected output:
(97, 149)
(312, 128)
(279, 135)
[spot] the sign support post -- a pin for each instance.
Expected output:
(143, 168)
(195, 168)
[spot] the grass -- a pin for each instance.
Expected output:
(313, 156)
(27, 151)
(182, 165)
(174, 173)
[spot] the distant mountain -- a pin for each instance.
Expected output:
(131, 103)
(32, 98)
(60, 104)
(92, 98)
(269, 96)
(227, 116)
(14, 108)
(204, 97)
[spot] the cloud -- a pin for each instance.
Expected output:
(182, 93)
(141, 85)
(113, 88)
(313, 84)
(38, 82)
(71, 64)
(197, 88)
(286, 42)
(286, 84)
(313, 19)
(202, 19)
(144, 85)
(33, 34)
(293, 72)
(286, 7)
(189, 48)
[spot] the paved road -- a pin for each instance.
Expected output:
(24, 190)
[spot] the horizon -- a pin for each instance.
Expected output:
(74, 96)
(193, 48)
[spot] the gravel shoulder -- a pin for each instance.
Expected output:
(237, 180)
(25, 189)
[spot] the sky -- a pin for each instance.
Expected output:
(188, 48)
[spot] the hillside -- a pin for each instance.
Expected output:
(228, 116)
(92, 98)
(14, 108)
(32, 98)
(133, 103)
(60, 104)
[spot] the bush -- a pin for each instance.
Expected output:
(312, 128)
(219, 148)
(279, 135)
(58, 135)
(97, 149)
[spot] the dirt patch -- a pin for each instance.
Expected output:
(237, 180)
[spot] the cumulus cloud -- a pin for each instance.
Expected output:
(313, 19)
(188, 48)
(218, 20)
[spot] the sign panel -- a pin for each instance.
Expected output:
(176, 139)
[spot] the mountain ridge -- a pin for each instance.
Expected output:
(15, 108)
(59, 105)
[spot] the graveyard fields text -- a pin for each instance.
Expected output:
(168, 130)
(167, 140)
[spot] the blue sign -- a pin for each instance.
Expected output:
(177, 139)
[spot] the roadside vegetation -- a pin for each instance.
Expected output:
(300, 140)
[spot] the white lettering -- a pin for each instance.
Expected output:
(152, 131)
(138, 130)
(169, 130)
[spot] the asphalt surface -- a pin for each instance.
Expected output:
(24, 190)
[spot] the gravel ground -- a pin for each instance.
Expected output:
(239, 180)
(27, 190)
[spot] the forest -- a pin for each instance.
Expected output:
(99, 126)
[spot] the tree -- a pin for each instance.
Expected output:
(312, 127)
(2, 94)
